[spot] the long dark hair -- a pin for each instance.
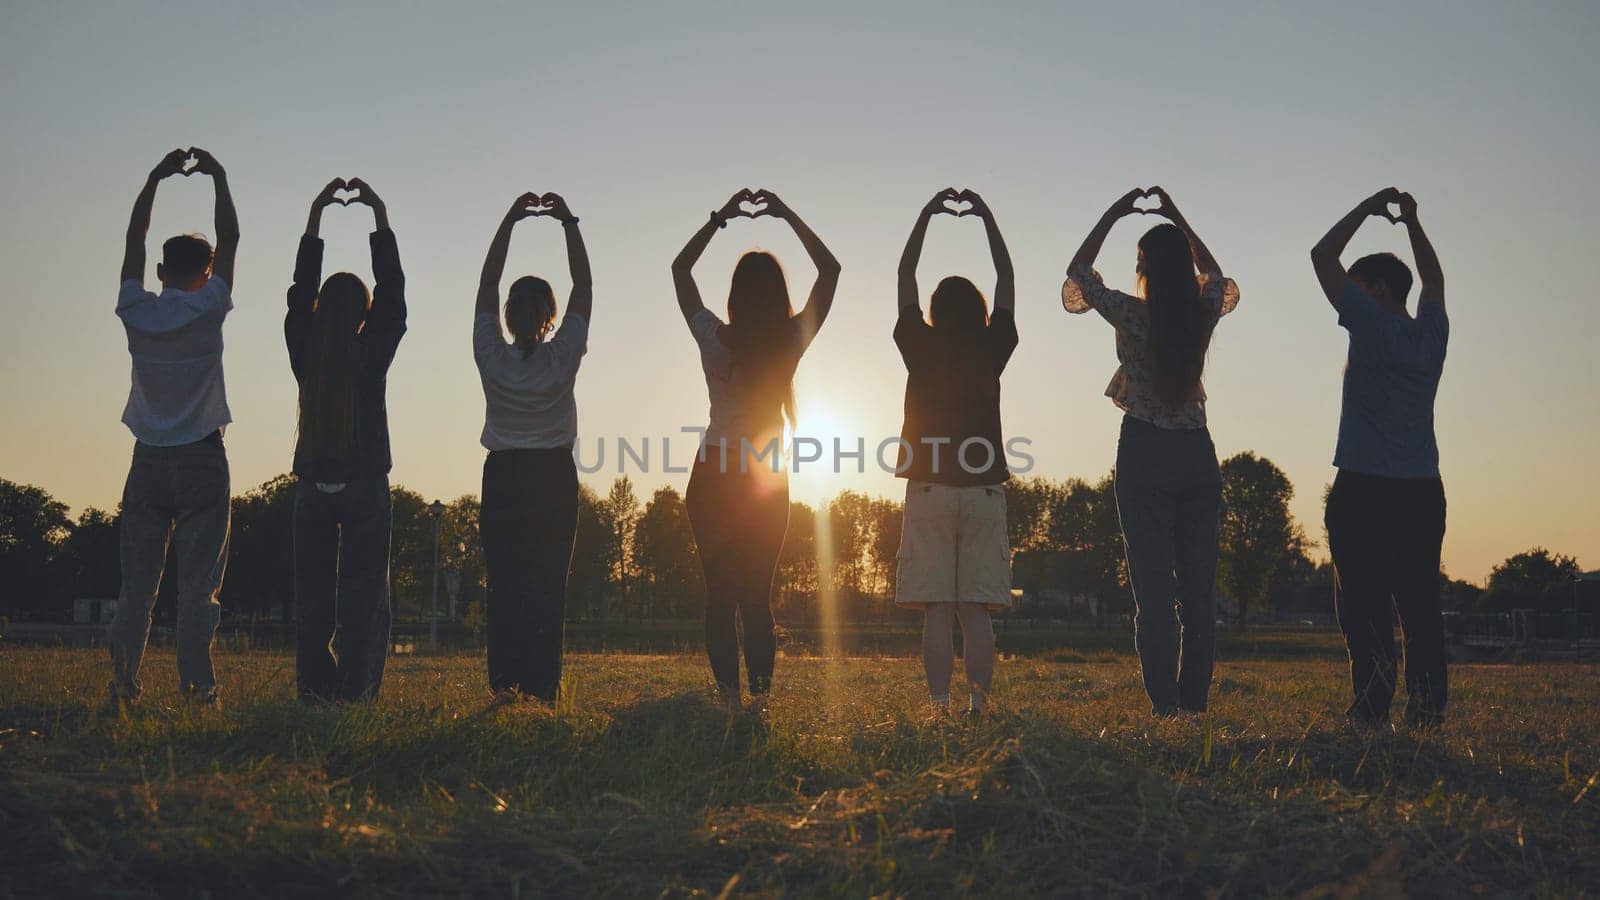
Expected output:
(328, 391)
(1180, 327)
(761, 336)
(958, 308)
(530, 312)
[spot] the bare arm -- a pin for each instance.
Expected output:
(133, 258)
(1090, 249)
(908, 295)
(688, 292)
(820, 300)
(1005, 288)
(494, 262)
(1203, 259)
(227, 218)
(581, 302)
(1325, 255)
(1428, 268)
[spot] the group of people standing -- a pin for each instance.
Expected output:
(1385, 515)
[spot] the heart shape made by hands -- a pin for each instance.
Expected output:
(346, 195)
(191, 164)
(755, 206)
(1392, 211)
(1147, 202)
(958, 207)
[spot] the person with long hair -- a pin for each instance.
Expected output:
(341, 340)
(1386, 512)
(529, 514)
(738, 495)
(954, 561)
(176, 493)
(1168, 484)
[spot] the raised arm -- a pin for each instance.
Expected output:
(581, 302)
(1090, 249)
(1203, 259)
(227, 218)
(1428, 268)
(307, 279)
(689, 301)
(494, 262)
(1005, 288)
(386, 319)
(139, 222)
(1325, 255)
(820, 300)
(912, 255)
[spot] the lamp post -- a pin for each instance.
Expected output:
(436, 510)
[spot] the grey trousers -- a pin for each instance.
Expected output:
(177, 495)
(1169, 498)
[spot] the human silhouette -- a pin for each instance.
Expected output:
(529, 514)
(1168, 484)
(1386, 512)
(177, 490)
(341, 340)
(955, 557)
(738, 495)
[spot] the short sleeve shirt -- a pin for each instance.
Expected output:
(952, 433)
(528, 399)
(1391, 377)
(177, 394)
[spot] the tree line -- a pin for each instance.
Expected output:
(635, 559)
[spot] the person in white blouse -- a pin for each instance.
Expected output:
(529, 513)
(1168, 484)
(177, 490)
(738, 495)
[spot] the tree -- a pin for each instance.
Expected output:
(618, 515)
(1083, 535)
(261, 550)
(668, 565)
(1534, 579)
(1257, 529)
(32, 526)
(461, 551)
(410, 554)
(796, 581)
(588, 579)
(88, 562)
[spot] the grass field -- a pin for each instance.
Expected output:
(638, 786)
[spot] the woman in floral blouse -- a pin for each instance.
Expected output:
(1169, 488)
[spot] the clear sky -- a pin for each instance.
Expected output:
(1266, 124)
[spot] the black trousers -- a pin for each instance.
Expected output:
(528, 521)
(1385, 535)
(341, 589)
(739, 520)
(1169, 500)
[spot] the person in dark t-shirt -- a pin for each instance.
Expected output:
(954, 558)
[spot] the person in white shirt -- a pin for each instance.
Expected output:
(178, 487)
(529, 514)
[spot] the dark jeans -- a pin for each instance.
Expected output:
(528, 521)
(341, 589)
(739, 519)
(1385, 536)
(1169, 498)
(178, 495)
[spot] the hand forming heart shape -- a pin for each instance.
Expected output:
(345, 196)
(190, 164)
(958, 207)
(1149, 194)
(754, 206)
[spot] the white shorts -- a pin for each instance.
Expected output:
(953, 546)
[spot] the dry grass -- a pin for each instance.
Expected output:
(638, 786)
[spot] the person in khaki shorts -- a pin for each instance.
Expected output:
(954, 559)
